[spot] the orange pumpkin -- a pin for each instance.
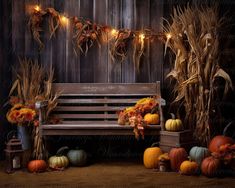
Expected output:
(209, 166)
(177, 156)
(218, 141)
(152, 119)
(188, 168)
(37, 166)
(150, 157)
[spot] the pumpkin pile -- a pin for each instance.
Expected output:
(145, 112)
(59, 161)
(211, 161)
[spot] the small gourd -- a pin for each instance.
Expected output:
(77, 157)
(151, 155)
(59, 161)
(188, 167)
(152, 119)
(37, 166)
(173, 124)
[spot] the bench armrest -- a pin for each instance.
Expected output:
(162, 103)
(41, 106)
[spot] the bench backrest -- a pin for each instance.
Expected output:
(91, 103)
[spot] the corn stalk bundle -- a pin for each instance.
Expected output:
(195, 42)
(33, 83)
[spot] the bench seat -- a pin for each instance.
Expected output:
(91, 109)
(94, 129)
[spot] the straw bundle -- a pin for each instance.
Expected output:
(195, 42)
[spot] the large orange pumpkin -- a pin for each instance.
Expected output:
(177, 156)
(209, 166)
(37, 166)
(150, 157)
(218, 141)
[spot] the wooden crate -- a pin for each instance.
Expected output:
(170, 140)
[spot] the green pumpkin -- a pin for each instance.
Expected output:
(59, 161)
(198, 154)
(77, 157)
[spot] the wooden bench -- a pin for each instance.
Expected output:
(91, 108)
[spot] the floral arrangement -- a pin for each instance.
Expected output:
(135, 116)
(21, 114)
(33, 83)
(226, 154)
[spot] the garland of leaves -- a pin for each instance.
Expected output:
(86, 33)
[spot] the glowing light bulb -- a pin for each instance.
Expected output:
(168, 36)
(64, 20)
(37, 8)
(142, 36)
(114, 32)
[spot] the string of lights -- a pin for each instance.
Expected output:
(87, 32)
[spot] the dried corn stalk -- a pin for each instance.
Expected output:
(33, 83)
(119, 45)
(195, 43)
(35, 25)
(85, 34)
(139, 46)
(138, 50)
(53, 20)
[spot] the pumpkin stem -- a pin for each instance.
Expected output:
(155, 144)
(172, 116)
(61, 150)
(154, 109)
(226, 128)
(189, 158)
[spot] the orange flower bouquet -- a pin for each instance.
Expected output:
(136, 116)
(21, 115)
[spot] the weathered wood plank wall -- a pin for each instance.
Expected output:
(16, 41)
(97, 65)
(5, 67)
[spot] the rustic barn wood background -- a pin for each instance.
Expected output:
(16, 41)
(97, 65)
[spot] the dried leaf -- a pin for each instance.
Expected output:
(228, 82)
